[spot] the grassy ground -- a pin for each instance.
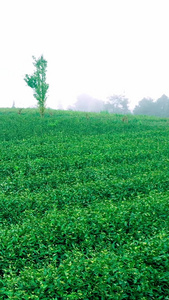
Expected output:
(84, 206)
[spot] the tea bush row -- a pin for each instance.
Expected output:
(106, 251)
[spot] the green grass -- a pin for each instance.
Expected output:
(84, 206)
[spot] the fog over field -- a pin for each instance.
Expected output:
(99, 48)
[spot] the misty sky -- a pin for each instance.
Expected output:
(97, 47)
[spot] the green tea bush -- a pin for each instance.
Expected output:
(84, 206)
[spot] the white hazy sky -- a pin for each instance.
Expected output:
(98, 47)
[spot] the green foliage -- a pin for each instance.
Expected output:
(84, 206)
(37, 82)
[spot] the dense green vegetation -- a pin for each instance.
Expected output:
(84, 206)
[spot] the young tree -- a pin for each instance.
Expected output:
(37, 82)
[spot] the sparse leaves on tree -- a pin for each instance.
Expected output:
(37, 82)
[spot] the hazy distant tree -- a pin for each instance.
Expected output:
(37, 82)
(145, 106)
(117, 104)
(162, 106)
(87, 103)
(60, 105)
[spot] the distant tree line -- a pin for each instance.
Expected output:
(119, 104)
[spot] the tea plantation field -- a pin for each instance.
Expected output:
(84, 206)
